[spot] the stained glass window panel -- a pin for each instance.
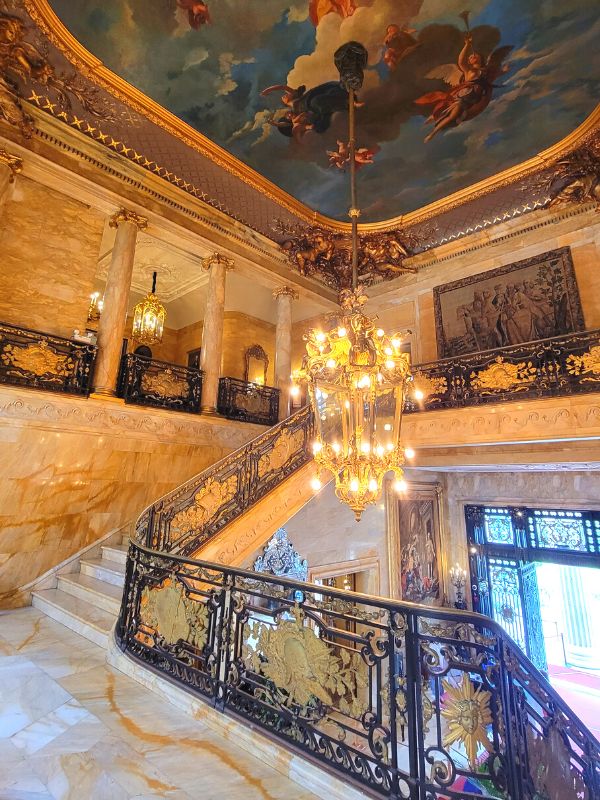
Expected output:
(556, 530)
(498, 528)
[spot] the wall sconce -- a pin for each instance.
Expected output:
(96, 306)
(458, 578)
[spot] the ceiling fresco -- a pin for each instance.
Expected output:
(451, 96)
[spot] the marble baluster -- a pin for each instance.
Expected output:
(283, 347)
(111, 327)
(217, 266)
(10, 167)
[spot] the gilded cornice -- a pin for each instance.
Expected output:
(92, 68)
(14, 163)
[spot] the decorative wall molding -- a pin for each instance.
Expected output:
(111, 418)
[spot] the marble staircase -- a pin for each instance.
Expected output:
(87, 601)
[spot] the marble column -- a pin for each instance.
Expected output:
(111, 327)
(217, 266)
(10, 166)
(283, 347)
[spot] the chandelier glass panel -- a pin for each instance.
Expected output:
(357, 375)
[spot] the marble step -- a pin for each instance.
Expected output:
(103, 570)
(81, 617)
(114, 552)
(98, 593)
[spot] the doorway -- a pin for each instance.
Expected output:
(537, 573)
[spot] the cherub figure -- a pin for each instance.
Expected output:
(319, 8)
(472, 82)
(198, 13)
(308, 109)
(340, 158)
(398, 42)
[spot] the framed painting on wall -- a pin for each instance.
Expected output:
(521, 302)
(414, 544)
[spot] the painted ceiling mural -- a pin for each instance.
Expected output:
(452, 95)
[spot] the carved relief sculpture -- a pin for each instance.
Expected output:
(37, 359)
(174, 616)
(501, 376)
(165, 384)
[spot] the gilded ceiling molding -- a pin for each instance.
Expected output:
(125, 215)
(14, 163)
(92, 68)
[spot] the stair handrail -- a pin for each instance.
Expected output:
(184, 518)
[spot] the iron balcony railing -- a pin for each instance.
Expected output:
(403, 700)
(42, 361)
(561, 365)
(147, 382)
(248, 402)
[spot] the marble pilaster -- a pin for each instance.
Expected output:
(283, 347)
(10, 167)
(217, 266)
(116, 299)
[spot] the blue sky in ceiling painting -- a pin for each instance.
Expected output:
(212, 76)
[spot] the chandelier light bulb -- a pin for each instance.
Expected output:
(317, 447)
(390, 364)
(387, 427)
(380, 332)
(419, 394)
(354, 485)
(315, 484)
(373, 485)
(409, 452)
(400, 485)
(341, 332)
(336, 448)
(365, 447)
(320, 336)
(331, 363)
(380, 451)
(388, 351)
(295, 391)
(396, 342)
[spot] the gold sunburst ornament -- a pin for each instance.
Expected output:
(468, 713)
(356, 375)
(149, 317)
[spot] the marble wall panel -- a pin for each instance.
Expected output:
(50, 245)
(72, 469)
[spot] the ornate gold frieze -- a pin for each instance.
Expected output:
(125, 215)
(286, 445)
(208, 500)
(217, 258)
(429, 384)
(165, 384)
(467, 711)
(38, 359)
(174, 616)
(304, 668)
(501, 376)
(587, 364)
(14, 163)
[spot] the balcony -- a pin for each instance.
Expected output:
(248, 402)
(159, 384)
(41, 361)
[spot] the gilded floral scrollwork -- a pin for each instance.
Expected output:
(304, 669)
(38, 359)
(208, 500)
(165, 384)
(501, 376)
(167, 610)
(286, 445)
(587, 364)
(429, 384)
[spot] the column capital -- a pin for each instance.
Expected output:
(283, 291)
(125, 215)
(217, 258)
(14, 163)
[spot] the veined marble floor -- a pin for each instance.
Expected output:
(72, 728)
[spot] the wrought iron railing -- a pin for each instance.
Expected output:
(248, 402)
(404, 700)
(42, 361)
(558, 366)
(181, 521)
(147, 382)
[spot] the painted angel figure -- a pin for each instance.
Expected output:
(340, 158)
(198, 13)
(472, 83)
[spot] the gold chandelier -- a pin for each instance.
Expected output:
(149, 318)
(357, 376)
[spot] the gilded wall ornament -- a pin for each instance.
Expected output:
(208, 501)
(587, 364)
(38, 359)
(165, 384)
(316, 250)
(501, 376)
(126, 215)
(467, 711)
(217, 258)
(14, 163)
(304, 668)
(574, 179)
(286, 446)
(173, 615)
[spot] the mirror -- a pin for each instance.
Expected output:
(256, 365)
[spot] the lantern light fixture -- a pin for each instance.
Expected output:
(357, 375)
(149, 317)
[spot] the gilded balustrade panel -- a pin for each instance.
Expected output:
(147, 382)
